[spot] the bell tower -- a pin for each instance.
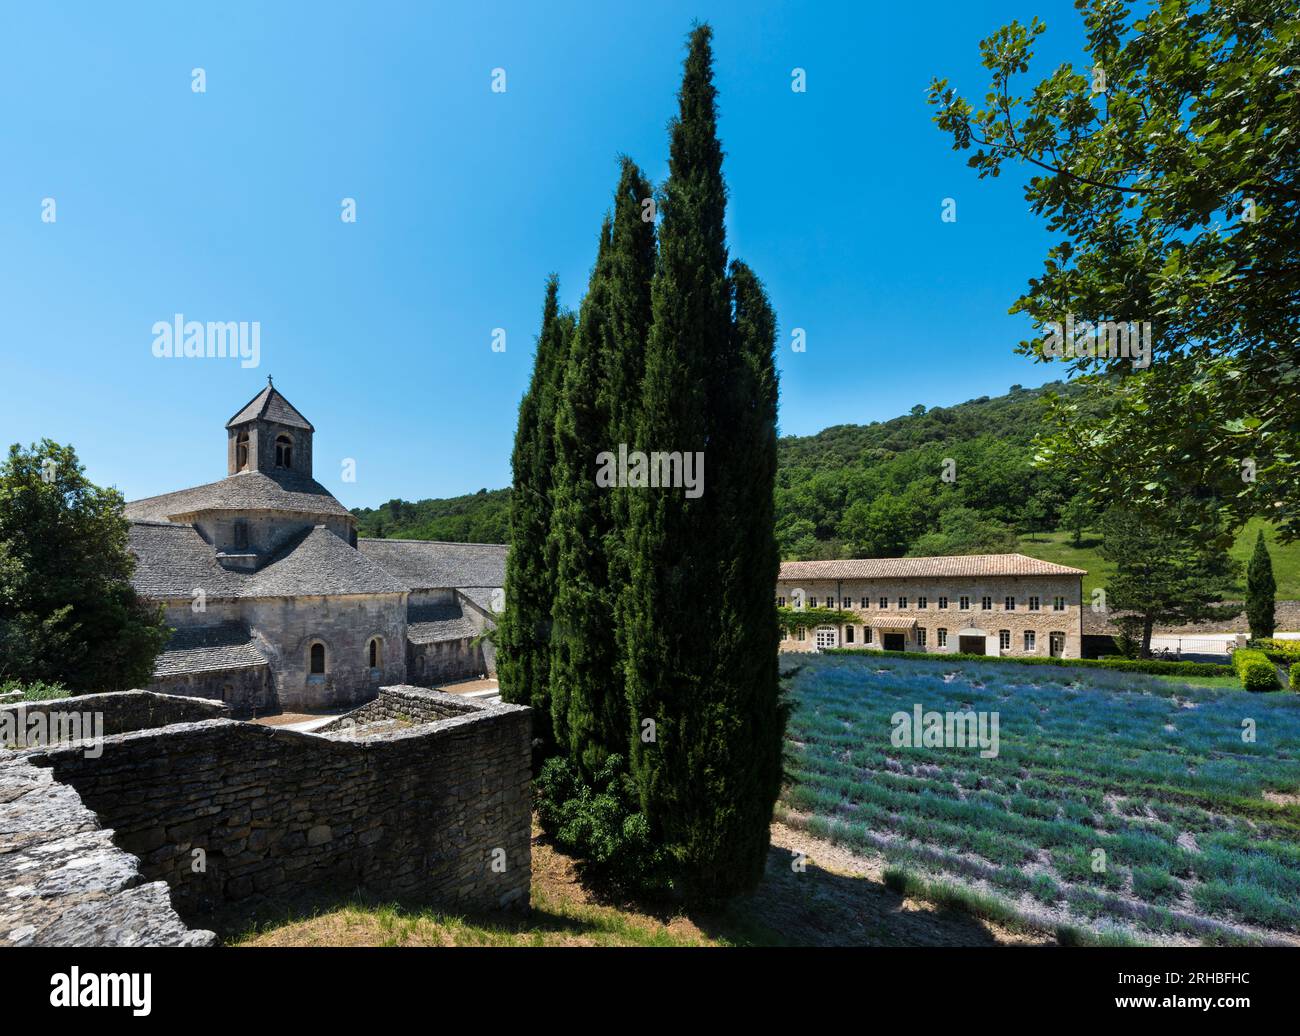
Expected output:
(270, 436)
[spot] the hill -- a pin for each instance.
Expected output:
(947, 480)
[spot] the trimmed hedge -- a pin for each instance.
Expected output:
(1256, 671)
(1152, 666)
(1282, 652)
(1294, 681)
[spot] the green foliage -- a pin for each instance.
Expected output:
(599, 821)
(1256, 671)
(1146, 665)
(1280, 652)
(1261, 588)
(1171, 195)
(1167, 572)
(37, 690)
(523, 650)
(790, 619)
(1293, 677)
(68, 612)
(482, 517)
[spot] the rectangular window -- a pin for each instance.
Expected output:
(1033, 604)
(801, 633)
(1029, 640)
(943, 637)
(846, 602)
(943, 604)
(1058, 604)
(812, 602)
(902, 603)
(963, 603)
(921, 602)
(866, 634)
(1004, 640)
(848, 634)
(884, 602)
(1009, 604)
(780, 602)
(920, 638)
(986, 604)
(866, 602)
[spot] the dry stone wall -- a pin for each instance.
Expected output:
(436, 808)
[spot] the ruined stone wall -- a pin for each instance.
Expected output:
(117, 712)
(444, 662)
(405, 704)
(440, 812)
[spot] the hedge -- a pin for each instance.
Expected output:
(1256, 671)
(1295, 677)
(1282, 652)
(1152, 666)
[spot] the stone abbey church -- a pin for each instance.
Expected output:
(277, 605)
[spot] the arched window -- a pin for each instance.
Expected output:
(376, 653)
(283, 451)
(317, 659)
(241, 451)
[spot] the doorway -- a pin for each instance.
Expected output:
(1056, 644)
(895, 641)
(825, 638)
(970, 645)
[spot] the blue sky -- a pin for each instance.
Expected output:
(225, 206)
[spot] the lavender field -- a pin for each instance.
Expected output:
(1117, 804)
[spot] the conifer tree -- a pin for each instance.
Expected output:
(523, 665)
(584, 666)
(701, 782)
(1261, 589)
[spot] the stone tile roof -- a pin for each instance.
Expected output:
(320, 563)
(270, 405)
(208, 649)
(245, 491)
(433, 565)
(481, 596)
(920, 568)
(436, 623)
(173, 560)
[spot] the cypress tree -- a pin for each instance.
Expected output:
(703, 788)
(1260, 591)
(523, 664)
(583, 654)
(597, 412)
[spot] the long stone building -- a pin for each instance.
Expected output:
(276, 603)
(987, 604)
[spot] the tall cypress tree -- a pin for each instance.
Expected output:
(597, 413)
(701, 787)
(1261, 589)
(583, 654)
(523, 663)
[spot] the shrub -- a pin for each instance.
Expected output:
(37, 690)
(1256, 671)
(601, 824)
(1294, 679)
(1283, 652)
(1152, 666)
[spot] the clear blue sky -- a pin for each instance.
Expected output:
(225, 206)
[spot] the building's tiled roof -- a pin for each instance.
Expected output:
(320, 563)
(432, 565)
(270, 405)
(436, 623)
(975, 565)
(174, 560)
(481, 596)
(245, 491)
(208, 649)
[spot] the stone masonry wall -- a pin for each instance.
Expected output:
(439, 811)
(117, 712)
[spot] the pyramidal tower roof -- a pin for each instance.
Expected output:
(270, 405)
